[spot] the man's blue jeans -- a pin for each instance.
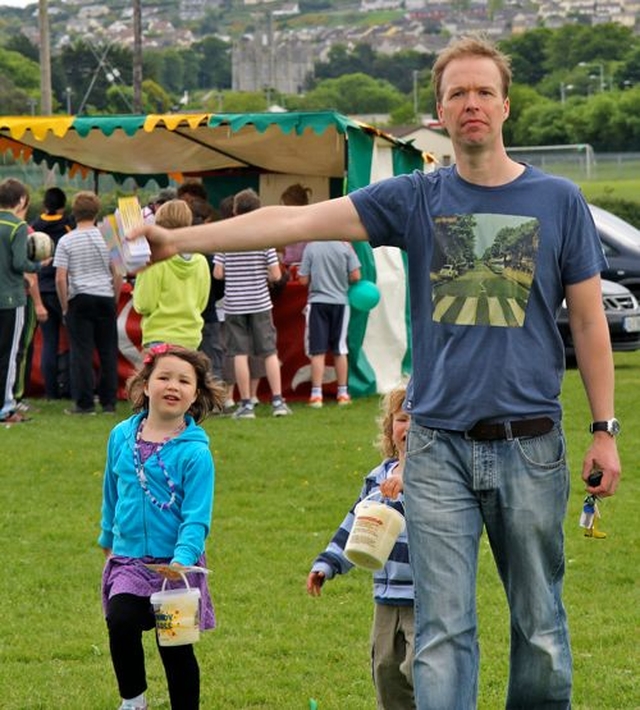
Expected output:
(517, 489)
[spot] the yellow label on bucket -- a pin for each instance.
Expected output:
(177, 617)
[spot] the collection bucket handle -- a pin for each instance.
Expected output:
(373, 494)
(184, 579)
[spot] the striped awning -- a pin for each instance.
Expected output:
(175, 145)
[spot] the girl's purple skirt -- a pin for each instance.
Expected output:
(128, 575)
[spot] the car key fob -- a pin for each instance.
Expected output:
(594, 479)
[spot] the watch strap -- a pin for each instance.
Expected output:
(599, 426)
(611, 426)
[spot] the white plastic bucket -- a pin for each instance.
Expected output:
(374, 533)
(177, 613)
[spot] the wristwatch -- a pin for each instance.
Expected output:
(611, 426)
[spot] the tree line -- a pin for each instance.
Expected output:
(575, 84)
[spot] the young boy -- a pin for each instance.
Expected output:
(328, 268)
(392, 633)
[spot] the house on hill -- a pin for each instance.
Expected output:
(428, 139)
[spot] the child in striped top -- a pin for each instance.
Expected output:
(392, 634)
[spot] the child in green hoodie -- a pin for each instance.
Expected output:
(170, 296)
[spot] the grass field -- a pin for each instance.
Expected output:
(282, 488)
(618, 189)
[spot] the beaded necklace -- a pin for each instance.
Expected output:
(142, 451)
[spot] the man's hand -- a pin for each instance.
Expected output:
(161, 241)
(602, 456)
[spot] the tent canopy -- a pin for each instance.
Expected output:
(167, 146)
(233, 151)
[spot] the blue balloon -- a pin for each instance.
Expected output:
(364, 295)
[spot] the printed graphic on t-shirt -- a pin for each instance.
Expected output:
(482, 268)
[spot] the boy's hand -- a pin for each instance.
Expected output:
(315, 580)
(392, 487)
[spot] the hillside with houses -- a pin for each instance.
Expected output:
(276, 43)
(389, 25)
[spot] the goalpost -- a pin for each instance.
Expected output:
(577, 155)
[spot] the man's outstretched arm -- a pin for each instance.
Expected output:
(274, 226)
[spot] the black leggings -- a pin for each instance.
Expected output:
(127, 617)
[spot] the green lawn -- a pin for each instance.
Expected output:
(282, 488)
(615, 189)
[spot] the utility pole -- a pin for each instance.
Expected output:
(603, 85)
(563, 91)
(137, 56)
(46, 107)
(271, 81)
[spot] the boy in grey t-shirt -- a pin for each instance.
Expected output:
(328, 268)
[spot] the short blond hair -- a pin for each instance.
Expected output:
(471, 46)
(174, 214)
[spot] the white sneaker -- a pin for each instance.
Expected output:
(126, 705)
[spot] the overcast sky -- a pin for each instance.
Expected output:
(18, 3)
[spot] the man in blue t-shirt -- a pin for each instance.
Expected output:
(493, 246)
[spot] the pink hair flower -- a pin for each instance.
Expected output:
(153, 352)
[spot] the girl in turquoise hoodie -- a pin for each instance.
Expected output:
(156, 510)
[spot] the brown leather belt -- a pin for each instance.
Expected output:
(484, 431)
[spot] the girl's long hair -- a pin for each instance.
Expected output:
(210, 394)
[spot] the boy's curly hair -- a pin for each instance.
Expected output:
(296, 194)
(210, 394)
(391, 404)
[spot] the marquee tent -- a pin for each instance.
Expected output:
(326, 150)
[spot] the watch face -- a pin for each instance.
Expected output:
(614, 427)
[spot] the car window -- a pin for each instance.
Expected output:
(608, 249)
(612, 228)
